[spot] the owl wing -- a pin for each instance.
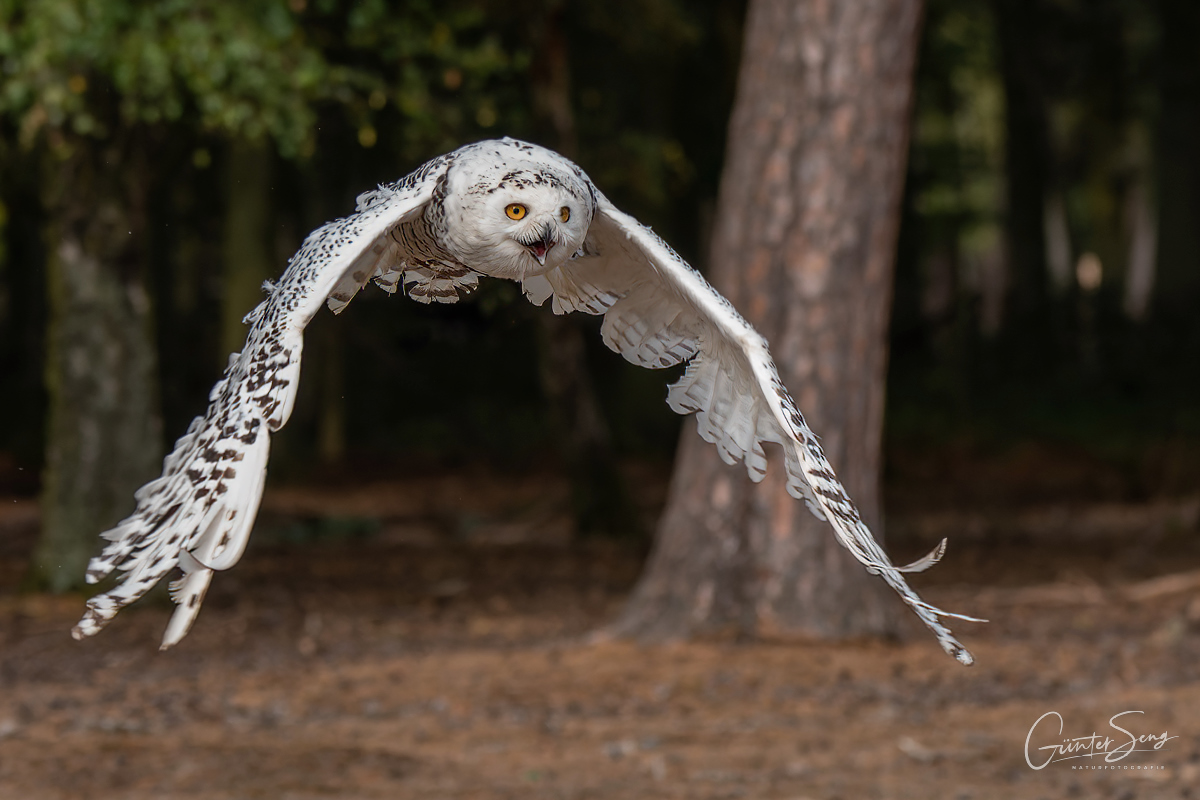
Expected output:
(198, 515)
(659, 312)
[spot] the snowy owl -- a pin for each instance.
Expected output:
(505, 209)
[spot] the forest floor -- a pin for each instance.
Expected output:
(374, 643)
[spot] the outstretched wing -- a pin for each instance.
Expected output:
(198, 515)
(659, 312)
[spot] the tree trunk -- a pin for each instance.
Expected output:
(247, 254)
(104, 432)
(331, 418)
(600, 501)
(1177, 283)
(1142, 221)
(808, 216)
(22, 312)
(1026, 153)
(1057, 233)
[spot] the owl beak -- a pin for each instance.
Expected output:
(541, 247)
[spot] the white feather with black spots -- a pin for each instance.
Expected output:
(200, 512)
(435, 232)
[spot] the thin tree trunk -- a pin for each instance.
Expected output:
(600, 501)
(331, 419)
(1057, 233)
(22, 311)
(1177, 281)
(806, 230)
(1143, 248)
(1026, 153)
(247, 254)
(104, 431)
(322, 404)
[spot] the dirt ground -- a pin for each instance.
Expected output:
(372, 644)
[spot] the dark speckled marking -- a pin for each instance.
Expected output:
(258, 384)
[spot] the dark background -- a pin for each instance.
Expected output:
(1091, 103)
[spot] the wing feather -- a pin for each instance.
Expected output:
(427, 284)
(657, 310)
(198, 515)
(374, 264)
(647, 334)
(660, 312)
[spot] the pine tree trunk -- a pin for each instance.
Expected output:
(104, 431)
(808, 216)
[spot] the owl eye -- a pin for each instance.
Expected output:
(564, 214)
(515, 211)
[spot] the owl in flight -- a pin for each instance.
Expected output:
(506, 209)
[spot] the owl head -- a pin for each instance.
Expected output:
(515, 211)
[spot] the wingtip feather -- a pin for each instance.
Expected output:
(926, 561)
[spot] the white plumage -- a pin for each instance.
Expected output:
(505, 209)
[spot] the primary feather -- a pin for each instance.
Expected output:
(434, 233)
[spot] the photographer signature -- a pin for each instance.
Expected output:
(1095, 745)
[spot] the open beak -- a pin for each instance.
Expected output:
(542, 246)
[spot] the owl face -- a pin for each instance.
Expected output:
(518, 218)
(545, 223)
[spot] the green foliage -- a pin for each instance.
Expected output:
(957, 149)
(354, 92)
(248, 70)
(242, 69)
(434, 73)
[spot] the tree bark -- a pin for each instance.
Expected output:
(104, 431)
(808, 216)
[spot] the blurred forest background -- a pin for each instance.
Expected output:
(417, 614)
(1044, 335)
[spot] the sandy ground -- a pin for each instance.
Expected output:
(426, 657)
